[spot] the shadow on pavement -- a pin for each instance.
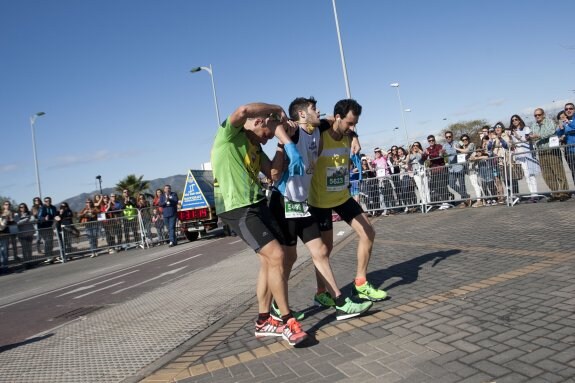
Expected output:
(407, 271)
(23, 343)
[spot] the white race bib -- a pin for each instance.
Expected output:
(337, 179)
(294, 209)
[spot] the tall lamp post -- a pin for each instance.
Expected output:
(394, 136)
(99, 178)
(396, 86)
(32, 121)
(347, 90)
(211, 72)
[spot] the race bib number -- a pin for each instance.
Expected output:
(337, 179)
(296, 209)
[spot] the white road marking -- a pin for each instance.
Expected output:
(96, 284)
(95, 291)
(149, 280)
(239, 240)
(184, 260)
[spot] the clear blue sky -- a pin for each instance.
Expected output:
(113, 76)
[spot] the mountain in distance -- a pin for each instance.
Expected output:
(178, 183)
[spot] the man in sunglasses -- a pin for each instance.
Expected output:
(549, 156)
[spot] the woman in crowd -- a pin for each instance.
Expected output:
(156, 201)
(89, 217)
(65, 224)
(11, 230)
(416, 161)
(381, 165)
(108, 224)
(524, 155)
(25, 221)
(405, 187)
(468, 149)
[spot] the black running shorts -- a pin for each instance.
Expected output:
(254, 224)
(306, 228)
(347, 211)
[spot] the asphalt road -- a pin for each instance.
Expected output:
(34, 302)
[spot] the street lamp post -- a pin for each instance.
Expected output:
(32, 121)
(347, 90)
(99, 178)
(211, 72)
(394, 136)
(396, 86)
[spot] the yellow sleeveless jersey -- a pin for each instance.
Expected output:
(330, 181)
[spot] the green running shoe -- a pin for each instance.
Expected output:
(367, 291)
(351, 309)
(275, 313)
(323, 299)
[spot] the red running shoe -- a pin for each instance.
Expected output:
(293, 333)
(270, 327)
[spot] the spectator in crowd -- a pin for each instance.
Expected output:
(158, 221)
(114, 210)
(524, 155)
(130, 219)
(487, 169)
(549, 156)
(456, 171)
(382, 166)
(416, 160)
(36, 204)
(143, 207)
(46, 215)
(405, 188)
(467, 148)
(65, 226)
(169, 205)
(11, 229)
(106, 217)
(98, 201)
(438, 174)
(89, 217)
(498, 146)
(567, 129)
(4, 241)
(156, 201)
(25, 220)
(393, 160)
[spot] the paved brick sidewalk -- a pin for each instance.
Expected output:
(477, 295)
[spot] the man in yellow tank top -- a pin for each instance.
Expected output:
(330, 190)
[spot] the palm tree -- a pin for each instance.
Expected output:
(135, 185)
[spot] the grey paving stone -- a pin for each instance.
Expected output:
(523, 368)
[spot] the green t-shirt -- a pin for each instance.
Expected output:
(236, 163)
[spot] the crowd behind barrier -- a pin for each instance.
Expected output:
(49, 235)
(476, 181)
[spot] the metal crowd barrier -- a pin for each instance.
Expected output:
(507, 180)
(21, 247)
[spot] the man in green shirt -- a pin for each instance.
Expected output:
(237, 159)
